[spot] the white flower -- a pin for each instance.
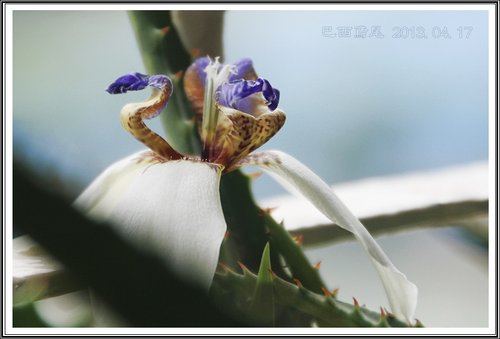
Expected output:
(169, 203)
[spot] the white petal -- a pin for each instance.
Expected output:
(99, 198)
(402, 293)
(171, 208)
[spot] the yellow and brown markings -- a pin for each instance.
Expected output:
(132, 116)
(239, 133)
(194, 89)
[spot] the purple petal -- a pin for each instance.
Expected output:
(137, 81)
(200, 64)
(128, 82)
(160, 81)
(244, 70)
(231, 94)
(272, 95)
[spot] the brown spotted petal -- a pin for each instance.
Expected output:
(194, 87)
(239, 133)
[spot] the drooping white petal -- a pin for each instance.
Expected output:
(170, 208)
(402, 293)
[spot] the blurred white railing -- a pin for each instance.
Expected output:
(454, 196)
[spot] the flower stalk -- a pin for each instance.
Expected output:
(209, 119)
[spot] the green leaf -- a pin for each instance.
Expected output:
(245, 224)
(324, 311)
(262, 307)
(295, 258)
(26, 315)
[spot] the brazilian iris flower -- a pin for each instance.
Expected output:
(169, 203)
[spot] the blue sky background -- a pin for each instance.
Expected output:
(361, 107)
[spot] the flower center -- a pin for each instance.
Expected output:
(237, 111)
(216, 75)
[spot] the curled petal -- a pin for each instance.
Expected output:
(160, 81)
(402, 293)
(128, 82)
(232, 94)
(243, 70)
(137, 81)
(171, 208)
(272, 95)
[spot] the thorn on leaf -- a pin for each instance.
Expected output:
(383, 318)
(269, 210)
(326, 292)
(242, 266)
(164, 30)
(297, 282)
(389, 314)
(299, 239)
(356, 303)
(317, 265)
(224, 266)
(272, 273)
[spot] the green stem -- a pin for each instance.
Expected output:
(163, 53)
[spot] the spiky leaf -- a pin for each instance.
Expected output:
(326, 311)
(262, 307)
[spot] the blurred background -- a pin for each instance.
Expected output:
(357, 106)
